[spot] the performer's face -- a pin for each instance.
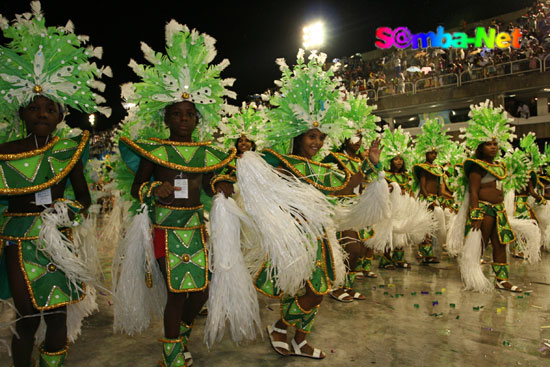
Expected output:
(310, 143)
(397, 163)
(490, 149)
(244, 144)
(181, 118)
(431, 156)
(41, 116)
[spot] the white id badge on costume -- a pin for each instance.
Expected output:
(183, 184)
(43, 197)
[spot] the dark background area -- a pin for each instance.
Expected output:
(251, 34)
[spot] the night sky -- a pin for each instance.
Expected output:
(250, 34)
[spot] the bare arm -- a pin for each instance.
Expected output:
(474, 179)
(143, 174)
(80, 187)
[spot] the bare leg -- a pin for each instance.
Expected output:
(26, 327)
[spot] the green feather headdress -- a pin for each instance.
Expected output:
(395, 143)
(432, 138)
(249, 122)
(487, 123)
(518, 165)
(308, 99)
(48, 61)
(529, 145)
(182, 74)
(360, 114)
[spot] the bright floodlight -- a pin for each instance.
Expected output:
(91, 118)
(314, 35)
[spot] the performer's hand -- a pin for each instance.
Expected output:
(165, 190)
(356, 179)
(225, 187)
(374, 151)
(476, 225)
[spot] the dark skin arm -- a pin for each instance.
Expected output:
(474, 179)
(148, 169)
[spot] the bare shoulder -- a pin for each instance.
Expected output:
(12, 147)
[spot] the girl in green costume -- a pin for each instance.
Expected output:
(482, 215)
(46, 273)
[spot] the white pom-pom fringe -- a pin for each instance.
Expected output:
(340, 257)
(63, 253)
(134, 303)
(455, 236)
(372, 206)
(528, 238)
(297, 213)
(470, 265)
(232, 296)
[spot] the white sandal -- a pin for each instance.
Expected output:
(341, 297)
(357, 296)
(275, 343)
(499, 285)
(298, 350)
(188, 358)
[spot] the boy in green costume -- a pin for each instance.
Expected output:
(37, 79)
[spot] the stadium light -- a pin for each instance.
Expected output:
(314, 35)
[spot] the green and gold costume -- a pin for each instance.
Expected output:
(498, 170)
(27, 173)
(183, 228)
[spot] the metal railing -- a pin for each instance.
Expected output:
(456, 80)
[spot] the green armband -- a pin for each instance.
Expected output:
(476, 214)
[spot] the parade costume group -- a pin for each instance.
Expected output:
(305, 192)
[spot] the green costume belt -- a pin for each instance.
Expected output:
(431, 198)
(185, 246)
(504, 230)
(320, 279)
(522, 209)
(47, 285)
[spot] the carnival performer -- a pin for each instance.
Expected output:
(178, 103)
(395, 153)
(482, 216)
(42, 70)
(304, 259)
(348, 158)
(520, 184)
(429, 178)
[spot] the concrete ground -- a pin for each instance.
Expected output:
(417, 317)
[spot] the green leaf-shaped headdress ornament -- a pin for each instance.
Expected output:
(249, 122)
(308, 99)
(432, 138)
(487, 124)
(518, 165)
(48, 61)
(528, 143)
(395, 143)
(182, 74)
(360, 114)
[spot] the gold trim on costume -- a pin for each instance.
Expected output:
(57, 178)
(179, 167)
(179, 207)
(31, 153)
(181, 143)
(307, 179)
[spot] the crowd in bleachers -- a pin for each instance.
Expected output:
(398, 70)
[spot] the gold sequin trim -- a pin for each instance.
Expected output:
(498, 164)
(308, 180)
(8, 214)
(219, 178)
(56, 179)
(181, 143)
(200, 226)
(178, 167)
(424, 165)
(30, 153)
(179, 207)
